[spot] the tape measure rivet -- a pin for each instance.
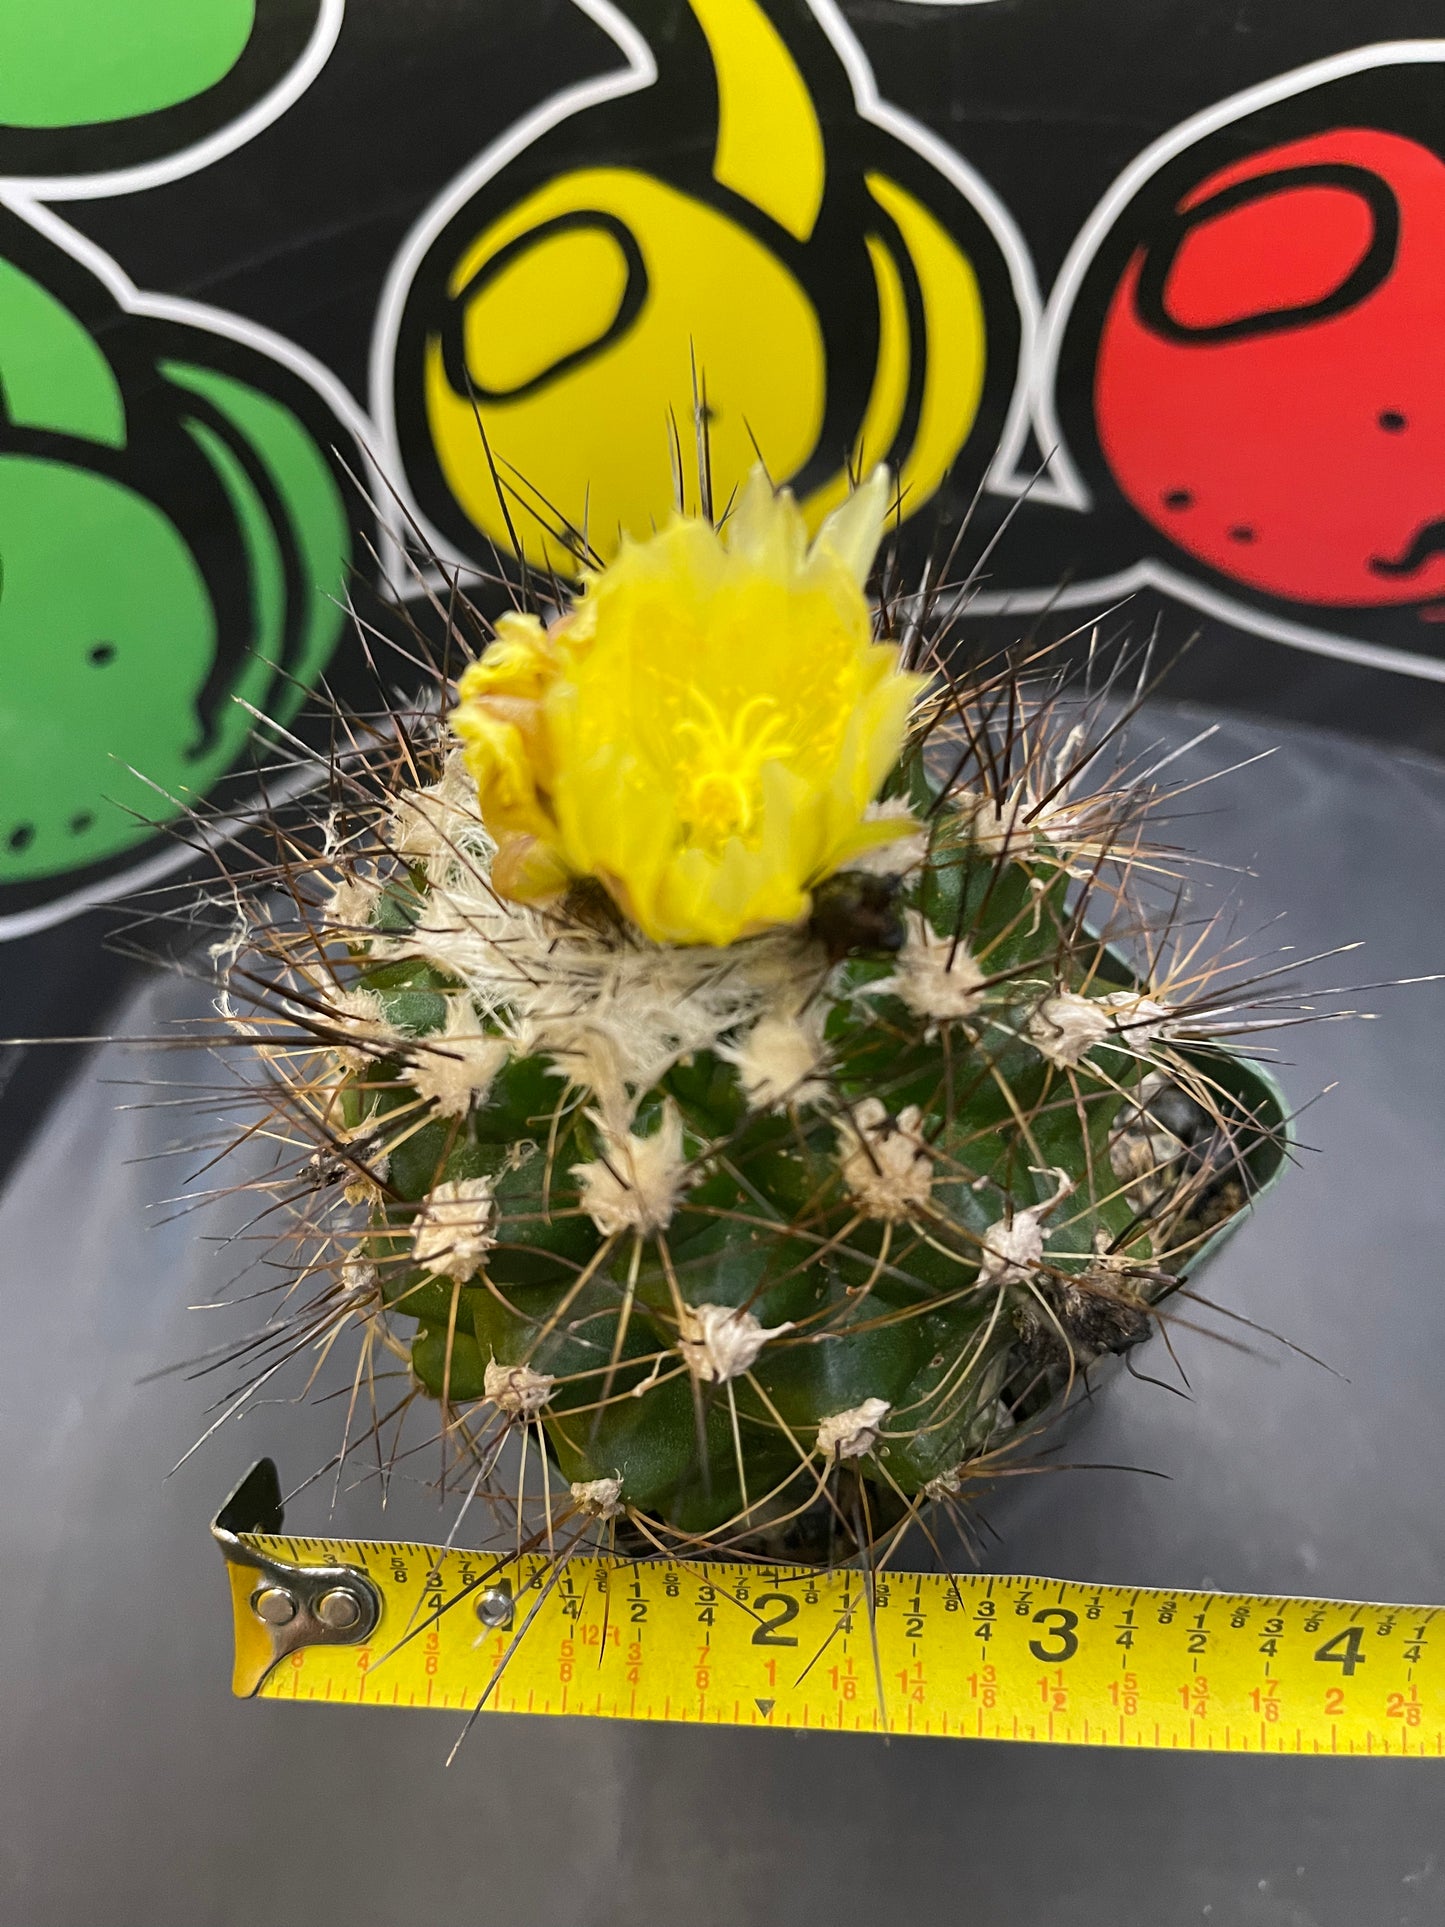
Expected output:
(340, 1609)
(494, 1607)
(274, 1605)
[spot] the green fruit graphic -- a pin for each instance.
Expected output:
(97, 60)
(91, 86)
(174, 546)
(126, 650)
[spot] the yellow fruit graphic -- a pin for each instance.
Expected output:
(711, 291)
(736, 233)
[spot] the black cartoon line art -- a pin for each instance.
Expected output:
(1236, 373)
(735, 210)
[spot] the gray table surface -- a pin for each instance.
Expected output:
(136, 1793)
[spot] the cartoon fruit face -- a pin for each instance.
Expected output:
(735, 234)
(101, 666)
(174, 550)
(1267, 390)
(567, 323)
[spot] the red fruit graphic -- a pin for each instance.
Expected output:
(1270, 386)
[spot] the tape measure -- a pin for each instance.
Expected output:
(959, 1656)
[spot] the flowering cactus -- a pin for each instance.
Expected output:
(710, 1057)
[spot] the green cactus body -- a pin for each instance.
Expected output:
(890, 1269)
(718, 1070)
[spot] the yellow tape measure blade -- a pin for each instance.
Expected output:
(975, 1656)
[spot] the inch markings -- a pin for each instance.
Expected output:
(962, 1657)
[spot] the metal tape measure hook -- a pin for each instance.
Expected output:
(290, 1606)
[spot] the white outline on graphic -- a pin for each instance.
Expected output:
(639, 74)
(1031, 407)
(1149, 572)
(202, 153)
(216, 321)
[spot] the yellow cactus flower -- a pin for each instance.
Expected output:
(704, 731)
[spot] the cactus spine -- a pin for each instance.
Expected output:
(774, 1238)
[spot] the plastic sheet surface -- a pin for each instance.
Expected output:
(137, 1790)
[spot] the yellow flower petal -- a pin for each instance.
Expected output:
(705, 731)
(528, 869)
(522, 661)
(496, 753)
(853, 531)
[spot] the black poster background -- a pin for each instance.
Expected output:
(1048, 99)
